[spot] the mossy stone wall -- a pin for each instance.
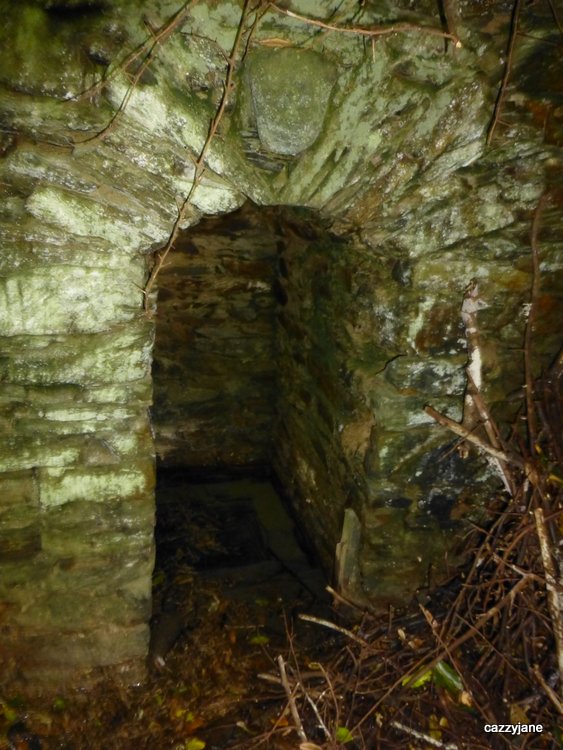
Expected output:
(412, 202)
(215, 366)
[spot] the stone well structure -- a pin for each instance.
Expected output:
(344, 188)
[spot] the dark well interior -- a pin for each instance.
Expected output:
(306, 336)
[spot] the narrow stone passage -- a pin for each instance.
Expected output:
(230, 578)
(220, 543)
(299, 236)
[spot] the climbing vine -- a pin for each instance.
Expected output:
(136, 62)
(143, 55)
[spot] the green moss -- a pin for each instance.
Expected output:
(41, 55)
(84, 217)
(117, 356)
(61, 486)
(63, 298)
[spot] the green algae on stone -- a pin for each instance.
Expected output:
(112, 357)
(60, 298)
(65, 485)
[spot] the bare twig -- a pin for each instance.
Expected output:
(423, 736)
(555, 16)
(493, 434)
(450, 9)
(333, 626)
(425, 665)
(469, 308)
(371, 31)
(291, 700)
(534, 295)
(313, 705)
(549, 691)
(474, 408)
(342, 599)
(554, 589)
(507, 69)
(148, 49)
(200, 162)
(460, 430)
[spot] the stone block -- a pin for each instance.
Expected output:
(112, 357)
(99, 484)
(18, 491)
(59, 298)
(290, 91)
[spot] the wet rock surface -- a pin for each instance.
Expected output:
(421, 184)
(214, 369)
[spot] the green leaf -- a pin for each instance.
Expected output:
(194, 743)
(422, 680)
(259, 640)
(343, 734)
(59, 704)
(10, 714)
(447, 677)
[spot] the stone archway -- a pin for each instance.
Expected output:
(387, 142)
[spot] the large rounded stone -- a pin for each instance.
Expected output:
(290, 91)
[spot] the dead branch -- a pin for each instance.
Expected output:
(313, 705)
(507, 69)
(555, 16)
(333, 626)
(156, 38)
(291, 700)
(423, 736)
(342, 599)
(534, 295)
(200, 162)
(450, 9)
(474, 408)
(554, 589)
(460, 430)
(107, 129)
(148, 49)
(371, 31)
(549, 691)
(469, 308)
(424, 665)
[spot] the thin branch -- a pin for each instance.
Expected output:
(460, 430)
(371, 31)
(156, 39)
(313, 705)
(106, 130)
(550, 692)
(534, 295)
(342, 599)
(423, 736)
(507, 69)
(291, 700)
(474, 405)
(469, 308)
(451, 16)
(199, 164)
(554, 596)
(423, 665)
(493, 434)
(555, 16)
(332, 626)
